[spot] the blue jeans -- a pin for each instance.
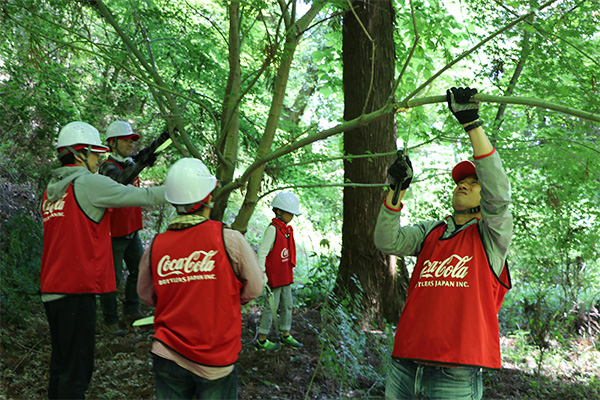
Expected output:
(409, 380)
(175, 382)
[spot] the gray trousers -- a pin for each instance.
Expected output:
(130, 251)
(283, 294)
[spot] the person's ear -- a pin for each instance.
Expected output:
(78, 157)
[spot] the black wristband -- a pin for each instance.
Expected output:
(474, 125)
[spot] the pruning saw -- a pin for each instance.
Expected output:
(144, 321)
(402, 153)
(163, 146)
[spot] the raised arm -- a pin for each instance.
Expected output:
(467, 114)
(496, 225)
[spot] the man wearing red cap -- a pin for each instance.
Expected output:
(448, 329)
(125, 222)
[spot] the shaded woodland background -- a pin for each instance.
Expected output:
(317, 97)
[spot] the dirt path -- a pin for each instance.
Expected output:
(124, 367)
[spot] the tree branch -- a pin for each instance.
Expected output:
(367, 118)
(324, 185)
(487, 98)
(525, 49)
(412, 50)
(548, 35)
(472, 49)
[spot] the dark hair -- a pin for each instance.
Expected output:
(67, 159)
(185, 209)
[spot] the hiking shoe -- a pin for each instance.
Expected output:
(129, 318)
(268, 345)
(290, 341)
(113, 330)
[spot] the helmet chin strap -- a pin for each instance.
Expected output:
(189, 209)
(473, 210)
(89, 150)
(115, 148)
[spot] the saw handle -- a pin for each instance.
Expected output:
(400, 174)
(396, 195)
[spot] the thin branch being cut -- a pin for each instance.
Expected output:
(487, 98)
(365, 119)
(412, 50)
(477, 46)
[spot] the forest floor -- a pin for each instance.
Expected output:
(123, 368)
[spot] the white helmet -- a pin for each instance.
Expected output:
(78, 135)
(286, 201)
(189, 182)
(120, 129)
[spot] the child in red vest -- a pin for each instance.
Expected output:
(277, 258)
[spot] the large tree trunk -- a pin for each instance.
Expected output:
(383, 292)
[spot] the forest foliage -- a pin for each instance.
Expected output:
(255, 90)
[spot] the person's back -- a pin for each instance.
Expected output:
(197, 274)
(76, 263)
(192, 268)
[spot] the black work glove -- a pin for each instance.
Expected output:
(149, 159)
(142, 154)
(458, 103)
(164, 136)
(400, 172)
(146, 157)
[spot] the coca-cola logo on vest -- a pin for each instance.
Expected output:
(450, 272)
(446, 269)
(53, 208)
(198, 261)
(285, 255)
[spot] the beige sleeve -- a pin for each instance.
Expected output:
(245, 265)
(145, 287)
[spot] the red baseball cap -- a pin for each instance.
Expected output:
(462, 170)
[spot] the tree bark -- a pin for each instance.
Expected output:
(294, 31)
(368, 81)
(230, 121)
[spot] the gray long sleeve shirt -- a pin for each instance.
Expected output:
(495, 225)
(96, 193)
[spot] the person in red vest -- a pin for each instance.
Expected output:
(277, 257)
(448, 330)
(124, 166)
(197, 274)
(76, 260)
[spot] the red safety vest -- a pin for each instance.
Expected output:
(280, 261)
(198, 307)
(451, 311)
(125, 220)
(77, 256)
